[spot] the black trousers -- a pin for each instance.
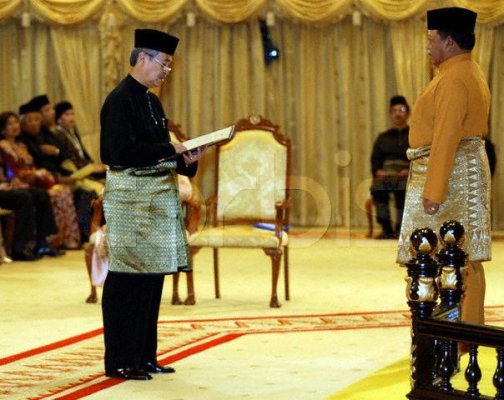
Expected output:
(130, 305)
(34, 214)
(381, 199)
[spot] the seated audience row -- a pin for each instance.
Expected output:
(46, 178)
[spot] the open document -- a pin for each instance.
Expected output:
(210, 138)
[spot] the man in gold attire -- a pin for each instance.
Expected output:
(449, 176)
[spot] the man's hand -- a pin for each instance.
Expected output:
(380, 173)
(194, 155)
(49, 149)
(403, 173)
(430, 207)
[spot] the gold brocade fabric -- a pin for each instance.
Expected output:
(145, 224)
(468, 200)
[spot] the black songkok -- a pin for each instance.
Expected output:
(451, 19)
(28, 107)
(40, 101)
(61, 108)
(398, 100)
(156, 40)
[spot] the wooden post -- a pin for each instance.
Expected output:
(422, 295)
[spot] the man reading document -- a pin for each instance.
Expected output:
(146, 232)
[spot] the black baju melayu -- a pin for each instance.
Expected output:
(144, 222)
(389, 154)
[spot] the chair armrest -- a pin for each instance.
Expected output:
(281, 218)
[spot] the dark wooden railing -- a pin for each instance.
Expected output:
(436, 329)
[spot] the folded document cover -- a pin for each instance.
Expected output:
(210, 138)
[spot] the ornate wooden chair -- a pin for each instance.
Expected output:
(192, 211)
(252, 181)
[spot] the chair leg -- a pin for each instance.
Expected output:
(191, 297)
(276, 257)
(286, 272)
(369, 212)
(216, 272)
(175, 300)
(10, 226)
(88, 254)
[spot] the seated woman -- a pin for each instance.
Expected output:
(31, 206)
(23, 173)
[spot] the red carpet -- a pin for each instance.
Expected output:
(73, 368)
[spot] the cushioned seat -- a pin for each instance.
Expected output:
(251, 181)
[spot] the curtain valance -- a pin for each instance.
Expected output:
(68, 12)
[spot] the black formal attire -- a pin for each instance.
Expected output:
(389, 154)
(134, 137)
(34, 217)
(50, 162)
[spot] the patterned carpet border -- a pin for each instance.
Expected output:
(73, 368)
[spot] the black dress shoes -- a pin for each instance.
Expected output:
(49, 251)
(129, 373)
(157, 369)
(24, 255)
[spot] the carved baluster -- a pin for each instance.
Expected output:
(452, 263)
(498, 378)
(422, 294)
(446, 366)
(452, 260)
(473, 371)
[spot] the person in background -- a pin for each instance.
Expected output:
(23, 168)
(88, 175)
(46, 148)
(78, 158)
(389, 166)
(35, 220)
(450, 175)
(146, 233)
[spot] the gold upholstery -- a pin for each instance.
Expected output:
(237, 236)
(253, 167)
(251, 178)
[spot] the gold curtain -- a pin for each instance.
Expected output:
(8, 8)
(320, 11)
(412, 67)
(79, 47)
(393, 10)
(66, 12)
(230, 11)
(497, 125)
(328, 91)
(152, 10)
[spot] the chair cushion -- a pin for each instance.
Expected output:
(237, 236)
(252, 176)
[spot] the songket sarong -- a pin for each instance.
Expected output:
(145, 226)
(468, 200)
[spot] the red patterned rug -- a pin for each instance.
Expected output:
(73, 368)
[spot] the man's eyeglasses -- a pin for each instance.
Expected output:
(166, 68)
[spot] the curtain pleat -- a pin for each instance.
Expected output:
(230, 11)
(9, 8)
(152, 10)
(67, 12)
